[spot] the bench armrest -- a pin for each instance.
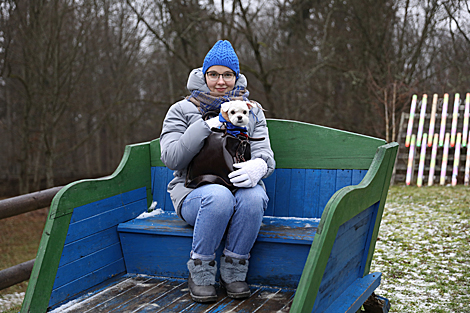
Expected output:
(132, 173)
(344, 205)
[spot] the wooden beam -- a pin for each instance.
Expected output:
(16, 274)
(26, 203)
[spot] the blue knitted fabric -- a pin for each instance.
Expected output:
(222, 53)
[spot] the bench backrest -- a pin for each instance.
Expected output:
(312, 163)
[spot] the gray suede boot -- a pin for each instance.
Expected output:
(201, 280)
(232, 277)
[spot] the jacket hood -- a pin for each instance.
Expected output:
(196, 81)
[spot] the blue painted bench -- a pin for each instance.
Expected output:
(318, 236)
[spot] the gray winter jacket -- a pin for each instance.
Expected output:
(184, 131)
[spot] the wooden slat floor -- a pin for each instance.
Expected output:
(156, 294)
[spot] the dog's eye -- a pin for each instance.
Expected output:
(244, 112)
(232, 112)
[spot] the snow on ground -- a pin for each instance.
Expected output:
(10, 300)
(423, 251)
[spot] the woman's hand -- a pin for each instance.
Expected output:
(249, 173)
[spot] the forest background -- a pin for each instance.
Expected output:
(81, 79)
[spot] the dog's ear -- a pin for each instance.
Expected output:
(249, 105)
(225, 107)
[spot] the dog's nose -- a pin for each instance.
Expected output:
(240, 118)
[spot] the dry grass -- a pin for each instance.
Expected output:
(423, 249)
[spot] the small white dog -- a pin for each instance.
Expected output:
(237, 112)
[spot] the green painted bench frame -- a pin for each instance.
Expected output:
(332, 149)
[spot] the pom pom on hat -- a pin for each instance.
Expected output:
(222, 53)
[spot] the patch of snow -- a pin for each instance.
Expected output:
(10, 300)
(311, 219)
(150, 214)
(152, 206)
(66, 307)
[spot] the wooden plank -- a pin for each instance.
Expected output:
(277, 265)
(270, 184)
(347, 246)
(155, 291)
(225, 304)
(90, 280)
(160, 303)
(182, 303)
(288, 230)
(133, 195)
(159, 186)
(276, 302)
(162, 224)
(357, 176)
(297, 191)
(266, 300)
(358, 219)
(257, 300)
(152, 180)
(160, 180)
(336, 285)
(95, 208)
(155, 153)
(156, 254)
(86, 303)
(302, 145)
(103, 206)
(273, 229)
(243, 305)
(370, 236)
(351, 300)
(157, 294)
(343, 178)
(312, 193)
(116, 303)
(83, 266)
(168, 203)
(327, 188)
(105, 220)
(283, 185)
(344, 263)
(77, 249)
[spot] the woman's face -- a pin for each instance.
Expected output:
(220, 86)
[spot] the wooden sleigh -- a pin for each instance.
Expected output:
(313, 253)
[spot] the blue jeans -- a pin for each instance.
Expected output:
(213, 209)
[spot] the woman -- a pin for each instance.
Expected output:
(214, 210)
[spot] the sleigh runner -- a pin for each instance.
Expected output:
(313, 252)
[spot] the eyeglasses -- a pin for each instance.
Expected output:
(214, 76)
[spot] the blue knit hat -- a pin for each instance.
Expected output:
(222, 53)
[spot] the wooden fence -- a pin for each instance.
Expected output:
(15, 206)
(441, 124)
